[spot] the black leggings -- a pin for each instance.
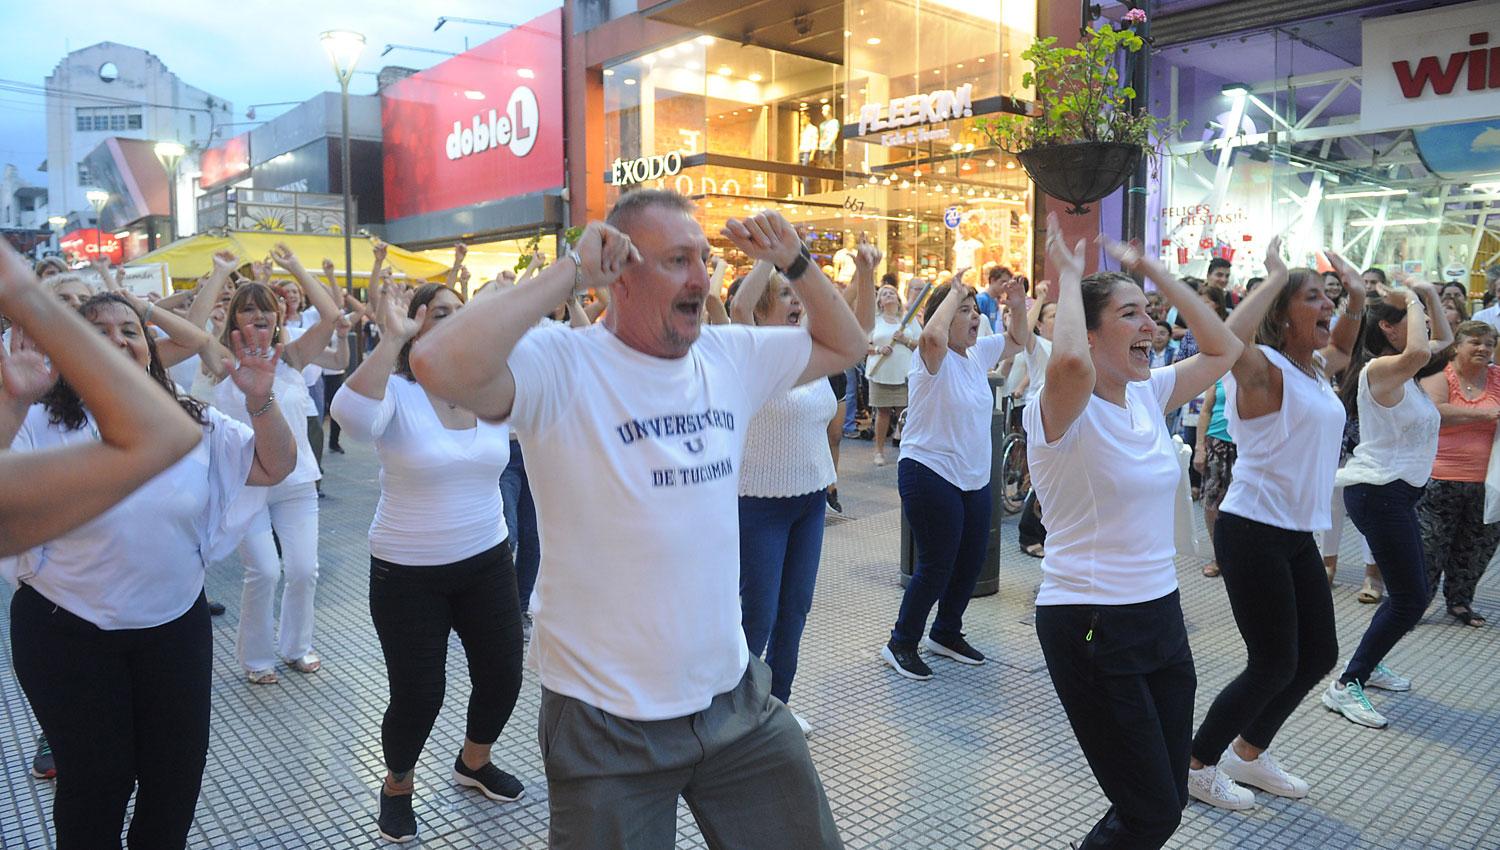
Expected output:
(414, 609)
(1279, 593)
(124, 710)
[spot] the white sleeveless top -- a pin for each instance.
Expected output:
(1283, 475)
(1394, 442)
(786, 445)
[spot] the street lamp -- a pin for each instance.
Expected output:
(97, 199)
(170, 153)
(343, 48)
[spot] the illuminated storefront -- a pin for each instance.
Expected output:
(869, 134)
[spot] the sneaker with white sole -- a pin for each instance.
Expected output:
(1263, 773)
(905, 660)
(1350, 701)
(803, 725)
(958, 650)
(1386, 679)
(1210, 785)
(397, 823)
(491, 781)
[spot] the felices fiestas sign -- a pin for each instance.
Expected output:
(626, 172)
(1430, 67)
(925, 108)
(515, 128)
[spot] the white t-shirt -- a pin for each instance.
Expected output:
(890, 368)
(843, 265)
(1283, 473)
(1036, 366)
(296, 406)
(634, 464)
(140, 564)
(964, 251)
(439, 502)
(1490, 315)
(948, 414)
(1106, 488)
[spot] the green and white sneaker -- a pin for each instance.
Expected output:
(1350, 701)
(1385, 678)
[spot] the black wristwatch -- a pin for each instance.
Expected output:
(798, 266)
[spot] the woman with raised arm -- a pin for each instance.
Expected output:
(1383, 480)
(1108, 613)
(892, 342)
(291, 507)
(110, 634)
(944, 474)
(784, 475)
(440, 560)
(1284, 415)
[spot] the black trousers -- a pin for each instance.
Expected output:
(1031, 531)
(331, 384)
(414, 609)
(125, 711)
(1125, 676)
(1279, 593)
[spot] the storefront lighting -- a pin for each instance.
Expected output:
(693, 65)
(971, 193)
(705, 40)
(649, 60)
(755, 78)
(960, 66)
(905, 184)
(823, 100)
(1485, 187)
(968, 166)
(122, 234)
(609, 72)
(990, 163)
(474, 95)
(1365, 193)
(942, 169)
(872, 41)
(725, 70)
(847, 33)
(981, 59)
(1234, 90)
(1391, 222)
(1010, 163)
(872, 179)
(526, 73)
(630, 81)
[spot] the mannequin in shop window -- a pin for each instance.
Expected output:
(967, 250)
(843, 262)
(828, 136)
(807, 148)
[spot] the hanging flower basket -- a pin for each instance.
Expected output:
(1082, 172)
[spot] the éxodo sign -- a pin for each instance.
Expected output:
(482, 126)
(626, 172)
(1432, 67)
(925, 108)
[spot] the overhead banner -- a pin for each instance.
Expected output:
(482, 126)
(1434, 67)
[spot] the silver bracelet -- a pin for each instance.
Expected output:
(265, 408)
(578, 287)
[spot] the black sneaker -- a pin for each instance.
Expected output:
(957, 649)
(904, 660)
(833, 501)
(215, 609)
(397, 822)
(42, 764)
(336, 448)
(490, 780)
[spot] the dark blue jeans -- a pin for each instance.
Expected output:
(520, 522)
(1386, 514)
(781, 541)
(851, 396)
(949, 527)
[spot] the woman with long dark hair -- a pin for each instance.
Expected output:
(440, 560)
(110, 633)
(1383, 480)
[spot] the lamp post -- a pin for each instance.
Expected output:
(343, 48)
(170, 154)
(57, 222)
(97, 199)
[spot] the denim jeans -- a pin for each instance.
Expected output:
(950, 528)
(1386, 514)
(781, 541)
(851, 397)
(520, 523)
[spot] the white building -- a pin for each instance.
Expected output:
(113, 90)
(22, 205)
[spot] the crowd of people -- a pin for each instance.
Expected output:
(697, 435)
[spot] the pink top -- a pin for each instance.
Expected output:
(1464, 450)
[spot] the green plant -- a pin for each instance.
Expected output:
(1079, 97)
(570, 237)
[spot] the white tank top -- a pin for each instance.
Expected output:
(1283, 474)
(1397, 442)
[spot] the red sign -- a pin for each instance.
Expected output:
(1443, 76)
(484, 125)
(88, 243)
(222, 163)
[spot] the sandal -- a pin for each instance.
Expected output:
(1468, 616)
(261, 677)
(1370, 593)
(1035, 550)
(1211, 569)
(309, 663)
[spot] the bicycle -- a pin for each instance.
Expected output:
(1015, 481)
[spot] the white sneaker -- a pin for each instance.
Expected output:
(1263, 773)
(1212, 786)
(806, 727)
(1385, 678)
(1350, 701)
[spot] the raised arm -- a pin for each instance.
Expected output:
(866, 259)
(932, 345)
(1442, 335)
(142, 430)
(1389, 374)
(838, 341)
(1070, 370)
(713, 305)
(306, 348)
(462, 360)
(460, 250)
(742, 311)
(225, 262)
(1259, 384)
(1340, 348)
(1024, 333)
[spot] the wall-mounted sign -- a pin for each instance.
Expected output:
(1430, 67)
(88, 243)
(625, 172)
(225, 162)
(482, 126)
(925, 108)
(952, 216)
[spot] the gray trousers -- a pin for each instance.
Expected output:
(741, 764)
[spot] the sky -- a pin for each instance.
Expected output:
(248, 51)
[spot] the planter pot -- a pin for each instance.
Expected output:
(1082, 172)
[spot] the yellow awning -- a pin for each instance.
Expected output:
(192, 257)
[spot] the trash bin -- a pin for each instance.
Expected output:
(989, 573)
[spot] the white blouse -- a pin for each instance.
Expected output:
(889, 368)
(296, 405)
(439, 487)
(786, 445)
(140, 564)
(1394, 442)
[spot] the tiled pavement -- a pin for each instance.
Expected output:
(977, 757)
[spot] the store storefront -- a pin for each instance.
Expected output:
(1376, 134)
(474, 150)
(869, 133)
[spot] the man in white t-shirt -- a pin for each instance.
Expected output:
(1491, 314)
(633, 436)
